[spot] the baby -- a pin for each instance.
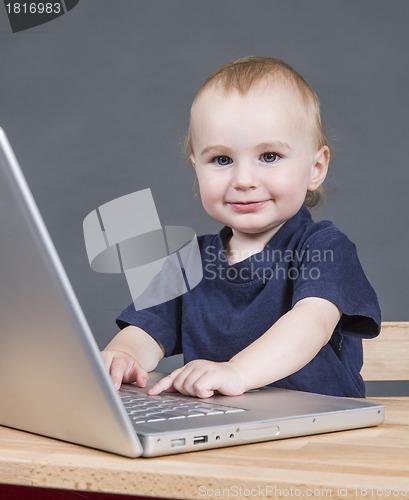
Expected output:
(283, 300)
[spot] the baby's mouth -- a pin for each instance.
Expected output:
(247, 206)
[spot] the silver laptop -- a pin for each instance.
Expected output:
(53, 381)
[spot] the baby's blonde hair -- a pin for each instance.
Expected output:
(242, 74)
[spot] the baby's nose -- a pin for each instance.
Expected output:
(244, 176)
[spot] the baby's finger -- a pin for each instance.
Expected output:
(142, 378)
(117, 371)
(203, 387)
(164, 384)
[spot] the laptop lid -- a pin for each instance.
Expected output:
(53, 381)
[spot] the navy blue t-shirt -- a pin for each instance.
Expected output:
(235, 304)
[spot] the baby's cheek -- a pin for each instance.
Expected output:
(293, 185)
(209, 193)
(209, 201)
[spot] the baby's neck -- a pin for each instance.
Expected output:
(241, 246)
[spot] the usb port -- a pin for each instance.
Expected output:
(200, 439)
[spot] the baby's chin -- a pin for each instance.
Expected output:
(255, 231)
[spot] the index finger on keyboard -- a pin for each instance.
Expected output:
(164, 384)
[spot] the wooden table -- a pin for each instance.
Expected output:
(365, 463)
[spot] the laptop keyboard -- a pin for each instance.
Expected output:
(142, 408)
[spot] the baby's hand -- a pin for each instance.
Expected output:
(124, 368)
(202, 378)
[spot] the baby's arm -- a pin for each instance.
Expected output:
(291, 343)
(131, 355)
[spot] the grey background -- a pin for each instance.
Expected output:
(96, 102)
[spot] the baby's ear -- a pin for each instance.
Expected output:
(319, 168)
(192, 160)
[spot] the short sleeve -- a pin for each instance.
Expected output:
(327, 266)
(161, 322)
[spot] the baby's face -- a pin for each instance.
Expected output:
(255, 156)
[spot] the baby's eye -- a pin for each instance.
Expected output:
(222, 161)
(270, 157)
